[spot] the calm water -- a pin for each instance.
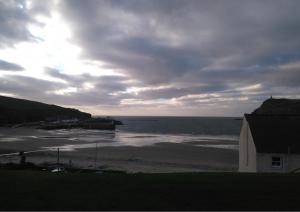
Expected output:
(82, 146)
(218, 132)
(181, 125)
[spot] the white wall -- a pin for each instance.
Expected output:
(290, 162)
(247, 150)
(250, 161)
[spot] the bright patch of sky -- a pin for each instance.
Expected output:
(51, 48)
(151, 57)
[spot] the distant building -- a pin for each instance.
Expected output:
(269, 143)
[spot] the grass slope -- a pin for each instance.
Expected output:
(13, 110)
(279, 107)
(33, 190)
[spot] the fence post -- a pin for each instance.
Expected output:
(96, 155)
(57, 156)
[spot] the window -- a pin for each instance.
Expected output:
(276, 162)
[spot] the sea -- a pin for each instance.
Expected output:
(89, 148)
(141, 131)
(150, 130)
(215, 126)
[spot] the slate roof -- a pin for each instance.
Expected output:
(275, 133)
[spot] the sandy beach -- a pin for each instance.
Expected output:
(161, 157)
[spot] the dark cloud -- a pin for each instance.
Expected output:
(107, 84)
(56, 92)
(175, 92)
(41, 7)
(29, 87)
(85, 89)
(162, 41)
(196, 52)
(7, 66)
(13, 22)
(15, 17)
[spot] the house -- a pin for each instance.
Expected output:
(269, 142)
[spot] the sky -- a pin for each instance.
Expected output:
(151, 57)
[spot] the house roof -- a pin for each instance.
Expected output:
(275, 133)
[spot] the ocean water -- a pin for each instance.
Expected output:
(216, 132)
(181, 125)
(170, 144)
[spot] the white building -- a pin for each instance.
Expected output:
(269, 143)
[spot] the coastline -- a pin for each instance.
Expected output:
(40, 147)
(160, 158)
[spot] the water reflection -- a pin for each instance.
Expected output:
(72, 139)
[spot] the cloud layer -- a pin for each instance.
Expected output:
(169, 57)
(7, 66)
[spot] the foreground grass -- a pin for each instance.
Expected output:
(36, 190)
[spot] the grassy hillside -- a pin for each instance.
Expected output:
(13, 110)
(36, 190)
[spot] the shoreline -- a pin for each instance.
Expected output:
(160, 157)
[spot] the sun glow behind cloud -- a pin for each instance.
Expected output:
(52, 47)
(150, 57)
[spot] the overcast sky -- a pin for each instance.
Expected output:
(151, 57)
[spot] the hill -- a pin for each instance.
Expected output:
(14, 111)
(279, 107)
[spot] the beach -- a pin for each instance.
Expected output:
(193, 155)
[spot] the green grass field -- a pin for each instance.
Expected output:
(37, 190)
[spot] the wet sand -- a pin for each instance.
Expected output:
(159, 157)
